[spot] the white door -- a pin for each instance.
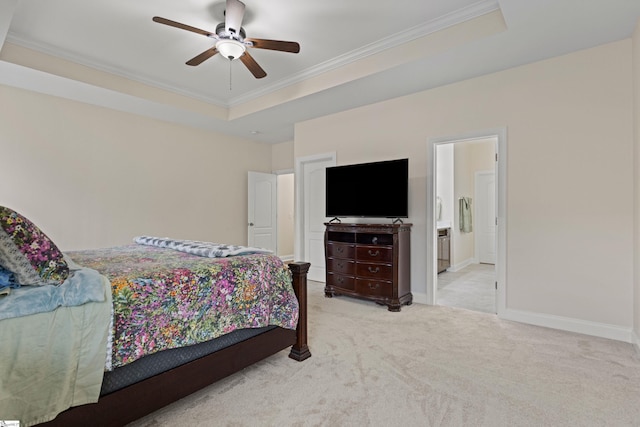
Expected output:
(263, 204)
(314, 210)
(486, 217)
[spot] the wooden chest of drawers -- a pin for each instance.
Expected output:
(370, 261)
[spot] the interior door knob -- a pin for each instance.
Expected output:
(250, 224)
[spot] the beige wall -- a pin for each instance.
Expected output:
(636, 180)
(94, 177)
(282, 156)
(569, 177)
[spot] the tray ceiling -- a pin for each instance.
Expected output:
(378, 50)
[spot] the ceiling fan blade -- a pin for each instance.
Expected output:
(234, 13)
(175, 24)
(197, 60)
(253, 66)
(279, 45)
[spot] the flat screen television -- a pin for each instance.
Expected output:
(372, 190)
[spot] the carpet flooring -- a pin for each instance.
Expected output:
(424, 366)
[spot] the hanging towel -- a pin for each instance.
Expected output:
(465, 214)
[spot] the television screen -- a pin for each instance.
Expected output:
(375, 190)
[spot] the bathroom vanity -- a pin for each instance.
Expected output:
(444, 249)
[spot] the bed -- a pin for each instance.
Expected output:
(182, 334)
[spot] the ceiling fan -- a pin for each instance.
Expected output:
(231, 40)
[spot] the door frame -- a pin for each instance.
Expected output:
(501, 213)
(300, 162)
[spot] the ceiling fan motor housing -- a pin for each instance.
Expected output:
(235, 35)
(231, 41)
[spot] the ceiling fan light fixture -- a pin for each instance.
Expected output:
(231, 41)
(230, 49)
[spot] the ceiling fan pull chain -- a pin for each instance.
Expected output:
(230, 61)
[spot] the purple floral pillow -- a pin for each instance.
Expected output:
(27, 252)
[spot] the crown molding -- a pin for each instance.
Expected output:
(457, 17)
(66, 55)
(475, 10)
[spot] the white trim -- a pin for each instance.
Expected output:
(283, 171)
(501, 213)
(459, 266)
(472, 11)
(475, 10)
(7, 9)
(298, 243)
(586, 327)
(635, 340)
(287, 257)
(419, 297)
(51, 50)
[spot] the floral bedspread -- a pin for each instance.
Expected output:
(166, 299)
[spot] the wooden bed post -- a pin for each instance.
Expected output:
(300, 350)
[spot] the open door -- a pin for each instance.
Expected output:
(314, 219)
(262, 224)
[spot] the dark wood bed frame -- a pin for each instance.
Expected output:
(135, 401)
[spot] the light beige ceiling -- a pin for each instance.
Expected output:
(110, 53)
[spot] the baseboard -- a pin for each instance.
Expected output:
(636, 342)
(459, 266)
(586, 327)
(419, 297)
(286, 257)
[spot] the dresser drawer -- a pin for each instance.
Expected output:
(341, 266)
(341, 281)
(340, 250)
(374, 271)
(374, 239)
(374, 253)
(374, 288)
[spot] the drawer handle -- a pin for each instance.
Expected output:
(373, 286)
(371, 270)
(340, 249)
(371, 253)
(374, 240)
(341, 280)
(340, 266)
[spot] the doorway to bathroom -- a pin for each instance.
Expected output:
(465, 232)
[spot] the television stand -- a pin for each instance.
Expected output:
(369, 261)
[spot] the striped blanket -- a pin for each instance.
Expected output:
(195, 247)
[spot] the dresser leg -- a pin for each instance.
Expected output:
(396, 305)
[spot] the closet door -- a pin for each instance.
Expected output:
(486, 217)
